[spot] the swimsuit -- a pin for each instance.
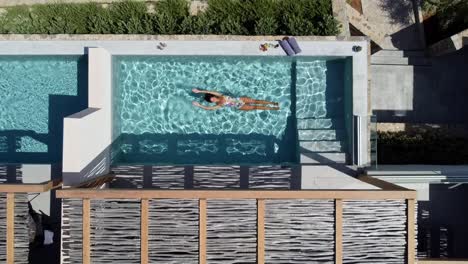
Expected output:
(233, 102)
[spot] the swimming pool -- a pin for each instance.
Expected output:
(36, 93)
(155, 122)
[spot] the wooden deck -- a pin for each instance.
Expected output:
(11, 191)
(343, 204)
(342, 200)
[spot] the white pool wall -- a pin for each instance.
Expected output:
(88, 134)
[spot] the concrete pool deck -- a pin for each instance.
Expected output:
(340, 47)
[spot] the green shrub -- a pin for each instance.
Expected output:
(170, 15)
(263, 17)
(266, 26)
(100, 23)
(304, 17)
(197, 25)
(61, 18)
(239, 17)
(422, 148)
(450, 16)
(129, 17)
(16, 20)
(227, 16)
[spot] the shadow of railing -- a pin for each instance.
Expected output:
(10, 146)
(191, 149)
(206, 177)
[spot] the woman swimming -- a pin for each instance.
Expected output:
(241, 103)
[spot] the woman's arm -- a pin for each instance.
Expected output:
(195, 90)
(206, 107)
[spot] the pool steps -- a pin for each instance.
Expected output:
(325, 110)
(323, 158)
(321, 146)
(323, 123)
(321, 126)
(322, 134)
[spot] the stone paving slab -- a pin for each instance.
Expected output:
(396, 20)
(340, 14)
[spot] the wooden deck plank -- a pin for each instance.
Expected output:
(338, 231)
(10, 228)
(260, 231)
(29, 187)
(144, 231)
(384, 185)
(234, 194)
(202, 231)
(86, 231)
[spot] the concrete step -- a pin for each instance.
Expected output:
(435, 179)
(321, 146)
(322, 134)
(323, 158)
(320, 123)
(399, 53)
(389, 60)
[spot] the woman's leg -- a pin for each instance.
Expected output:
(249, 100)
(257, 107)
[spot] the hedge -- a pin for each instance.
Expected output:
(421, 148)
(239, 17)
(452, 14)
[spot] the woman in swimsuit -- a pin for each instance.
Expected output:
(241, 103)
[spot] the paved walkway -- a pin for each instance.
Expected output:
(393, 22)
(434, 93)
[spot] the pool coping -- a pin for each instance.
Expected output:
(320, 46)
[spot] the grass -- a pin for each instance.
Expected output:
(238, 17)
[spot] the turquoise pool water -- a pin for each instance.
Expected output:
(36, 92)
(155, 122)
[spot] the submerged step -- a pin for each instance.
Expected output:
(322, 134)
(320, 123)
(321, 146)
(323, 158)
(320, 109)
